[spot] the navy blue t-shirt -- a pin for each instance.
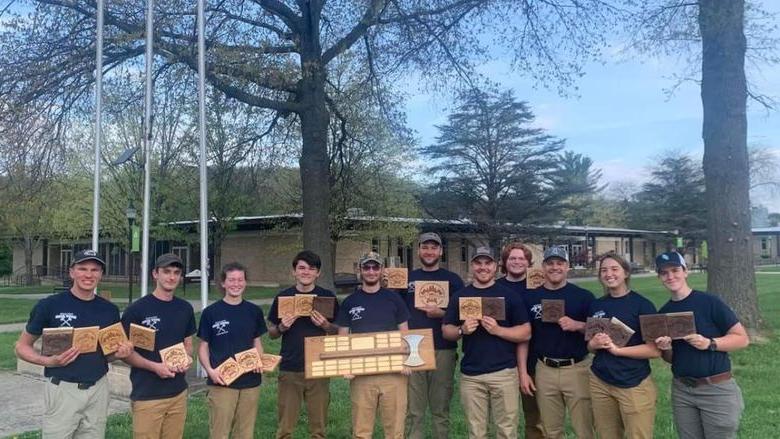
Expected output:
(483, 352)
(372, 312)
(516, 286)
(173, 321)
(65, 310)
(548, 339)
(230, 329)
(418, 319)
(713, 319)
(622, 371)
(292, 339)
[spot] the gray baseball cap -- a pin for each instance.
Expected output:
(371, 257)
(169, 260)
(430, 236)
(483, 251)
(556, 251)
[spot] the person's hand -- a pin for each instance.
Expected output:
(568, 324)
(490, 324)
(406, 371)
(163, 371)
(216, 377)
(433, 312)
(469, 326)
(527, 384)
(63, 359)
(601, 341)
(319, 320)
(182, 369)
(125, 349)
(664, 343)
(286, 323)
(698, 341)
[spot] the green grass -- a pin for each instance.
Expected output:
(754, 368)
(771, 268)
(15, 310)
(7, 355)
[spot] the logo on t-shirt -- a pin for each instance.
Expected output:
(356, 311)
(599, 314)
(410, 290)
(151, 322)
(65, 318)
(220, 327)
(537, 310)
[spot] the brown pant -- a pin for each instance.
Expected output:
(232, 410)
(620, 412)
(160, 418)
(533, 419)
(496, 393)
(432, 388)
(562, 388)
(386, 392)
(295, 389)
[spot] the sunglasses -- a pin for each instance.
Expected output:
(371, 267)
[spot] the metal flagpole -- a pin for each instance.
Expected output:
(204, 199)
(98, 125)
(147, 147)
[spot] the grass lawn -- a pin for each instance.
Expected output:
(15, 310)
(768, 268)
(754, 368)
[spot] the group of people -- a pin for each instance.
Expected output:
(516, 364)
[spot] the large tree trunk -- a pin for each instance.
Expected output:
(726, 173)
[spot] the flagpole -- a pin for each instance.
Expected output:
(204, 199)
(147, 141)
(98, 126)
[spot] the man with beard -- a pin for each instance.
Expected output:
(516, 258)
(431, 388)
(562, 365)
(488, 382)
(372, 308)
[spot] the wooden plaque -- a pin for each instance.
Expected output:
(494, 307)
(470, 308)
(325, 305)
(55, 341)
(229, 370)
(175, 356)
(111, 337)
(86, 338)
(534, 278)
(553, 310)
(653, 326)
(142, 337)
(270, 361)
(596, 325)
(431, 293)
(368, 353)
(397, 278)
(248, 360)
(285, 306)
(619, 332)
(681, 324)
(304, 304)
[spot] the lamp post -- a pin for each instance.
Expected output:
(130, 213)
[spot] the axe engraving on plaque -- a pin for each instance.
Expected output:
(414, 358)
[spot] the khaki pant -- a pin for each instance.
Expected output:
(562, 388)
(232, 410)
(74, 412)
(532, 417)
(386, 392)
(160, 418)
(619, 412)
(294, 389)
(496, 392)
(431, 389)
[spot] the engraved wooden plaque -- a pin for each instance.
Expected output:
(431, 293)
(534, 278)
(55, 341)
(494, 307)
(86, 338)
(653, 326)
(248, 360)
(142, 337)
(681, 324)
(111, 337)
(285, 306)
(304, 304)
(470, 308)
(325, 305)
(175, 356)
(229, 370)
(553, 310)
(368, 353)
(397, 278)
(596, 325)
(270, 361)
(619, 332)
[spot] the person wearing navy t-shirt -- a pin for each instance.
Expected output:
(561, 380)
(516, 257)
(488, 371)
(227, 327)
(706, 400)
(76, 393)
(372, 308)
(431, 388)
(294, 389)
(622, 392)
(159, 392)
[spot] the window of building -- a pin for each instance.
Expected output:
(464, 251)
(375, 245)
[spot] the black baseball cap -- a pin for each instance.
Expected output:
(669, 259)
(87, 255)
(168, 260)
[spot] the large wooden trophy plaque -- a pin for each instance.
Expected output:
(369, 353)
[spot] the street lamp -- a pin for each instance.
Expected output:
(130, 213)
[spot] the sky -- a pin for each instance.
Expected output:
(621, 117)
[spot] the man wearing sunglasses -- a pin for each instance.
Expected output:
(372, 308)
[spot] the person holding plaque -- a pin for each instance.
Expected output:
(228, 327)
(516, 258)
(706, 400)
(622, 391)
(372, 308)
(558, 311)
(431, 389)
(488, 371)
(294, 389)
(76, 393)
(159, 390)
